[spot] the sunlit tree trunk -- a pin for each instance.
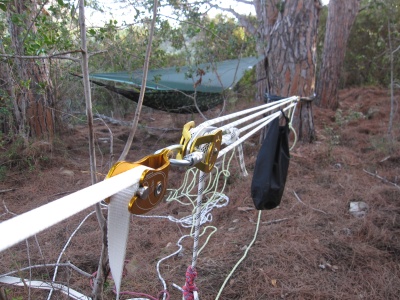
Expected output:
(341, 16)
(292, 58)
(34, 89)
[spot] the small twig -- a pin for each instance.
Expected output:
(61, 193)
(275, 221)
(7, 190)
(7, 211)
(54, 56)
(3, 295)
(67, 264)
(298, 199)
(382, 178)
(163, 129)
(30, 270)
(111, 144)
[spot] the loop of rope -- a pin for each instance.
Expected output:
(189, 286)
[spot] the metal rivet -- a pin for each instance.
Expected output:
(158, 189)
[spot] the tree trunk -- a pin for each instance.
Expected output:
(34, 90)
(266, 13)
(292, 58)
(341, 16)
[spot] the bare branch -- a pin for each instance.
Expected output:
(56, 56)
(33, 21)
(142, 90)
(192, 23)
(67, 264)
(395, 50)
(382, 178)
(298, 199)
(245, 2)
(60, 55)
(241, 18)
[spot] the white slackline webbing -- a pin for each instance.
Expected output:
(32, 222)
(118, 229)
(44, 286)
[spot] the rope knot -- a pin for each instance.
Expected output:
(189, 286)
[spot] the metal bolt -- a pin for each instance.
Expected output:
(143, 192)
(158, 189)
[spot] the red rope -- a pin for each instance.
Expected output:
(189, 286)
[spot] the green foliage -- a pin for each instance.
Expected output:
(367, 57)
(351, 116)
(3, 6)
(221, 39)
(17, 155)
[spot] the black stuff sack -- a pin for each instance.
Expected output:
(271, 167)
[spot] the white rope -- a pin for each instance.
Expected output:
(264, 108)
(37, 284)
(64, 248)
(243, 257)
(228, 139)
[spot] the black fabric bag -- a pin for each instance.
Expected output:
(271, 167)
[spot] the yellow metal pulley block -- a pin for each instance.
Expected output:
(152, 183)
(185, 139)
(211, 144)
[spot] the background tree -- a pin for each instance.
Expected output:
(367, 56)
(341, 16)
(275, 30)
(33, 87)
(291, 58)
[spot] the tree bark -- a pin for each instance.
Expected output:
(34, 96)
(341, 16)
(266, 14)
(292, 58)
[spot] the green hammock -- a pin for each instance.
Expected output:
(181, 89)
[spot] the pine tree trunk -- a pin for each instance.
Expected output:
(292, 58)
(341, 16)
(34, 96)
(267, 14)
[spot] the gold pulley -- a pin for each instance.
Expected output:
(152, 183)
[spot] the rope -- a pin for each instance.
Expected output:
(65, 247)
(190, 287)
(243, 257)
(265, 108)
(215, 199)
(228, 139)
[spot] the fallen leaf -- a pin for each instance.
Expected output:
(273, 282)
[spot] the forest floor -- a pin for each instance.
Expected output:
(310, 247)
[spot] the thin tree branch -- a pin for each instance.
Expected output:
(143, 85)
(54, 56)
(34, 19)
(67, 264)
(7, 190)
(241, 18)
(382, 178)
(245, 2)
(60, 55)
(298, 199)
